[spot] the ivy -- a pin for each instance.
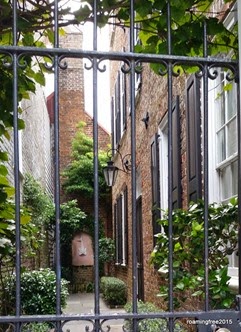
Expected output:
(188, 252)
(39, 203)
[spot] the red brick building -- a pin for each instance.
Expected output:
(72, 109)
(151, 104)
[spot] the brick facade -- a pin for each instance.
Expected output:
(71, 112)
(151, 98)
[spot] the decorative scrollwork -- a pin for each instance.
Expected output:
(212, 72)
(21, 61)
(231, 71)
(49, 65)
(126, 66)
(163, 68)
(99, 64)
(179, 68)
(124, 329)
(138, 67)
(88, 328)
(105, 328)
(88, 67)
(62, 63)
(7, 59)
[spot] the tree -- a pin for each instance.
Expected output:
(78, 176)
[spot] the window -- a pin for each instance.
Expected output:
(118, 106)
(155, 185)
(163, 167)
(223, 150)
(160, 170)
(223, 135)
(121, 228)
(226, 138)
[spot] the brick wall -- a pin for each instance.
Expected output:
(71, 112)
(71, 103)
(152, 98)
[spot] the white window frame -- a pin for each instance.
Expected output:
(215, 168)
(163, 163)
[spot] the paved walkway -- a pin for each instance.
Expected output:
(83, 303)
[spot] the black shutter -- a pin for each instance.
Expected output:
(155, 183)
(176, 148)
(119, 228)
(124, 108)
(126, 222)
(113, 131)
(116, 233)
(117, 111)
(193, 114)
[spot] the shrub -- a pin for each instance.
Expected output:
(38, 292)
(149, 325)
(188, 253)
(36, 327)
(106, 250)
(114, 290)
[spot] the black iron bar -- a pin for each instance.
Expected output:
(133, 168)
(16, 169)
(170, 170)
(95, 161)
(205, 166)
(57, 165)
(103, 55)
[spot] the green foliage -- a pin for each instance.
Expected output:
(149, 325)
(188, 252)
(187, 18)
(38, 292)
(30, 237)
(37, 201)
(106, 250)
(72, 221)
(114, 290)
(79, 175)
(35, 327)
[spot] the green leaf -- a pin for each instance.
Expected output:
(39, 78)
(3, 156)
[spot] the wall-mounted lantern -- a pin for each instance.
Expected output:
(111, 171)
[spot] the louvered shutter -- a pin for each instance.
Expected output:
(155, 183)
(193, 114)
(176, 166)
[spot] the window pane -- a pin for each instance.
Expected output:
(235, 177)
(231, 102)
(232, 137)
(229, 181)
(221, 145)
(226, 187)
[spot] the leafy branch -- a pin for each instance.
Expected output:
(188, 252)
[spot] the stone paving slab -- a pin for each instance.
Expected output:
(83, 303)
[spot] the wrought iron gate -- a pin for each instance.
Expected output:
(12, 55)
